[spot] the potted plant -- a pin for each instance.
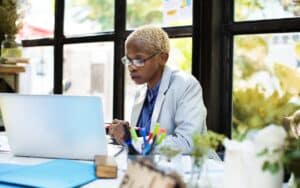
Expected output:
(203, 145)
(10, 18)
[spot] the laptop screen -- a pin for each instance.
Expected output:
(54, 126)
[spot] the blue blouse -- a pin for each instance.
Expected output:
(146, 113)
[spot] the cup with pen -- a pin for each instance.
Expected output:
(149, 142)
(169, 157)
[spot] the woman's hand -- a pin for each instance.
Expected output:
(119, 130)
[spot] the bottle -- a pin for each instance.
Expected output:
(10, 47)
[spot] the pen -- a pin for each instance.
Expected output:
(149, 137)
(133, 134)
(156, 128)
(161, 138)
(162, 130)
(143, 133)
(152, 146)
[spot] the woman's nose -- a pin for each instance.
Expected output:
(131, 68)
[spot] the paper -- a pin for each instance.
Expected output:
(56, 173)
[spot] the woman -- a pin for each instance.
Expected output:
(169, 97)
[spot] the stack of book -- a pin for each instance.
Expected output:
(13, 65)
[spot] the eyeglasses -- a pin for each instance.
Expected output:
(137, 62)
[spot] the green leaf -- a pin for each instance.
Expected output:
(263, 152)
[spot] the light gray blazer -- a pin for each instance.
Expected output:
(179, 108)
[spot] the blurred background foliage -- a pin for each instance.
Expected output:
(99, 11)
(244, 7)
(182, 53)
(141, 12)
(258, 102)
(263, 92)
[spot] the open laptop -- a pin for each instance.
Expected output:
(54, 126)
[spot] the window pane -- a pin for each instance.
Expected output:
(266, 79)
(88, 70)
(34, 24)
(88, 16)
(163, 13)
(180, 58)
(38, 77)
(181, 54)
(260, 9)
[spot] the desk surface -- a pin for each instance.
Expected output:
(215, 169)
(7, 157)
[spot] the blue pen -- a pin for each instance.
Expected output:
(143, 133)
(146, 146)
(131, 149)
(150, 147)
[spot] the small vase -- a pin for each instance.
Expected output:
(10, 47)
(199, 175)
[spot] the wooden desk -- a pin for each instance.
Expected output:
(10, 75)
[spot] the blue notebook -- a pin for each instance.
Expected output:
(56, 173)
(6, 167)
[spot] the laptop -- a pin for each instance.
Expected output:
(54, 126)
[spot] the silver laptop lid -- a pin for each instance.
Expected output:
(54, 126)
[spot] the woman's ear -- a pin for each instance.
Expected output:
(163, 58)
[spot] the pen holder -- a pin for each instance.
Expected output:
(149, 142)
(140, 145)
(140, 148)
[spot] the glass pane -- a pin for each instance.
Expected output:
(180, 58)
(266, 72)
(265, 9)
(88, 16)
(38, 77)
(88, 70)
(34, 24)
(163, 13)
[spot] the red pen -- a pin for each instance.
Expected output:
(149, 137)
(162, 130)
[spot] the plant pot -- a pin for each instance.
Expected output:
(243, 168)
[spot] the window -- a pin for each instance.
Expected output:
(88, 70)
(77, 51)
(262, 75)
(266, 72)
(163, 13)
(34, 25)
(246, 10)
(38, 78)
(86, 17)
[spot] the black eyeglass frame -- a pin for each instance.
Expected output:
(137, 62)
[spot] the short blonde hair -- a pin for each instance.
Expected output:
(155, 39)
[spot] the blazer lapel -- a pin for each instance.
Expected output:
(138, 105)
(164, 86)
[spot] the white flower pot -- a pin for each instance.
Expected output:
(243, 168)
